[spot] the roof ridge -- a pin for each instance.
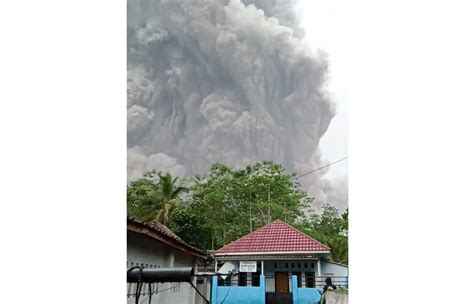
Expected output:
(272, 232)
(247, 235)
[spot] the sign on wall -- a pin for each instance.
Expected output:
(248, 266)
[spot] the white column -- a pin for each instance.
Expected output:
(319, 271)
(262, 269)
(215, 266)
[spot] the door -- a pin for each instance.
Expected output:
(282, 284)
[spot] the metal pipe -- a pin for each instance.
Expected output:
(160, 275)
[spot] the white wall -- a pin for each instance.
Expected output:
(335, 269)
(143, 250)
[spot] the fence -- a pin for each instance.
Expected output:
(338, 281)
(319, 282)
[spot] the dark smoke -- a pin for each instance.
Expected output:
(223, 81)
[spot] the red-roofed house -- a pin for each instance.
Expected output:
(277, 251)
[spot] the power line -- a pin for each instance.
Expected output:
(202, 296)
(324, 166)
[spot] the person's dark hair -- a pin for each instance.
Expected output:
(329, 284)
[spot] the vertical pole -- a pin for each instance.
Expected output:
(262, 289)
(215, 266)
(319, 270)
(250, 218)
(294, 289)
(262, 268)
(214, 290)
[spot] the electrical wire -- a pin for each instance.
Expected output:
(202, 296)
(175, 286)
(139, 284)
(324, 166)
(228, 289)
(138, 291)
(149, 290)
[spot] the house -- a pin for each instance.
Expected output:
(278, 261)
(153, 245)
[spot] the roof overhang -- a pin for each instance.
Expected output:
(271, 253)
(274, 255)
(144, 229)
(265, 258)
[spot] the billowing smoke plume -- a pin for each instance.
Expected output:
(335, 192)
(223, 81)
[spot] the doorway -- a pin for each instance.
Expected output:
(282, 293)
(282, 284)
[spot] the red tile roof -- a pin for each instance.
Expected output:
(277, 236)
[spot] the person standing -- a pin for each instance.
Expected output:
(329, 285)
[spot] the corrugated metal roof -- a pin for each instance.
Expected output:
(276, 237)
(157, 230)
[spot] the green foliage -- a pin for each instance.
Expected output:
(230, 203)
(154, 197)
(331, 228)
(227, 203)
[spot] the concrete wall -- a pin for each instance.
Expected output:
(336, 269)
(238, 294)
(304, 295)
(336, 297)
(147, 252)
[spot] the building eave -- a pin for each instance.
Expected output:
(144, 229)
(280, 253)
(267, 258)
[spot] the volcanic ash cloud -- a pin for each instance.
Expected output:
(222, 81)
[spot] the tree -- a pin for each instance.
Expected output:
(331, 228)
(229, 203)
(169, 196)
(154, 197)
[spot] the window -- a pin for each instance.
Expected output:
(292, 265)
(305, 265)
(298, 275)
(256, 278)
(286, 265)
(242, 279)
(299, 265)
(312, 265)
(309, 279)
(275, 265)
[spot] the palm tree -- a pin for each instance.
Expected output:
(168, 196)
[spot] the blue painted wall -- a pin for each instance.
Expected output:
(304, 295)
(238, 294)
